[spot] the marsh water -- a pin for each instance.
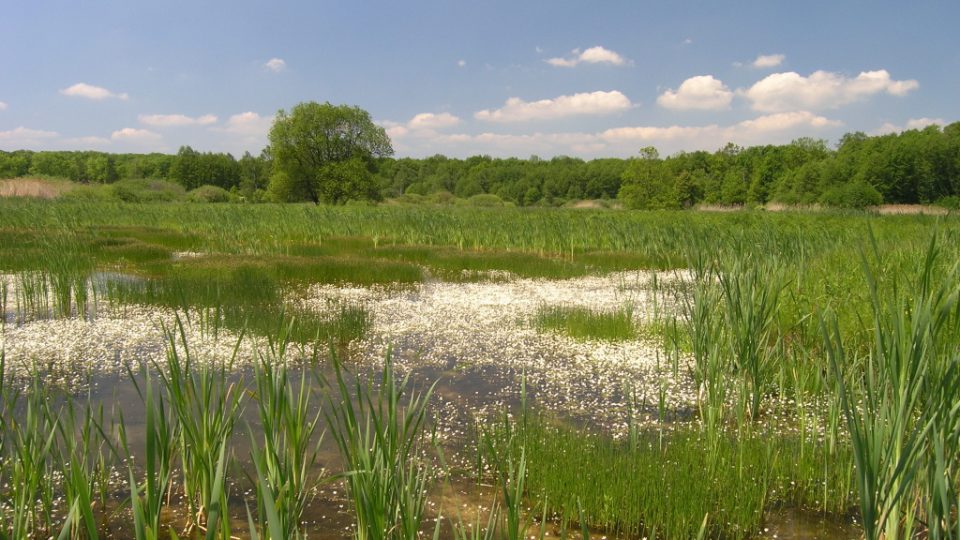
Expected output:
(473, 341)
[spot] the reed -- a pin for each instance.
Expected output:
(85, 458)
(750, 293)
(285, 463)
(162, 433)
(586, 323)
(900, 404)
(381, 443)
(206, 406)
(30, 433)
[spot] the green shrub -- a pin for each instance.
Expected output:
(485, 199)
(951, 201)
(441, 197)
(209, 194)
(143, 190)
(852, 195)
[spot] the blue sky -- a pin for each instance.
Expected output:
(589, 79)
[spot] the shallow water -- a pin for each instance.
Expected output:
(474, 340)
(799, 524)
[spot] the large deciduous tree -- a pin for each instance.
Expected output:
(325, 153)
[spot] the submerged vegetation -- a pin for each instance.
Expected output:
(800, 361)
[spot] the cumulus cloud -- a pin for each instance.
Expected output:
(3, 106)
(395, 130)
(623, 141)
(593, 55)
(784, 121)
(135, 135)
(518, 110)
(656, 133)
(920, 123)
(461, 63)
(176, 120)
(244, 131)
(22, 137)
(702, 92)
(768, 61)
(821, 90)
(88, 91)
(248, 124)
(433, 121)
(913, 123)
(745, 130)
(276, 65)
(421, 125)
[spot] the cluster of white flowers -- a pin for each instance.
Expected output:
(478, 338)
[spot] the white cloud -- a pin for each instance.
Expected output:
(22, 137)
(688, 41)
(821, 90)
(433, 121)
(593, 55)
(423, 125)
(763, 129)
(913, 123)
(886, 128)
(396, 131)
(244, 131)
(135, 135)
(461, 63)
(176, 120)
(276, 65)
(656, 133)
(775, 128)
(920, 123)
(702, 92)
(247, 123)
(562, 62)
(3, 106)
(517, 110)
(784, 121)
(89, 91)
(768, 61)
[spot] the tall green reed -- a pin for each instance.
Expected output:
(900, 403)
(285, 464)
(30, 428)
(86, 458)
(751, 296)
(162, 432)
(206, 405)
(381, 443)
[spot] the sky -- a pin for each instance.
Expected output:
(504, 78)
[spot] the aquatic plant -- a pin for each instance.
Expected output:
(381, 440)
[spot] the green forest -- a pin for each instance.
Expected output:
(911, 167)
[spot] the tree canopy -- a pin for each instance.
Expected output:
(325, 153)
(914, 166)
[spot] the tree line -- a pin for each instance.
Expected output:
(351, 161)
